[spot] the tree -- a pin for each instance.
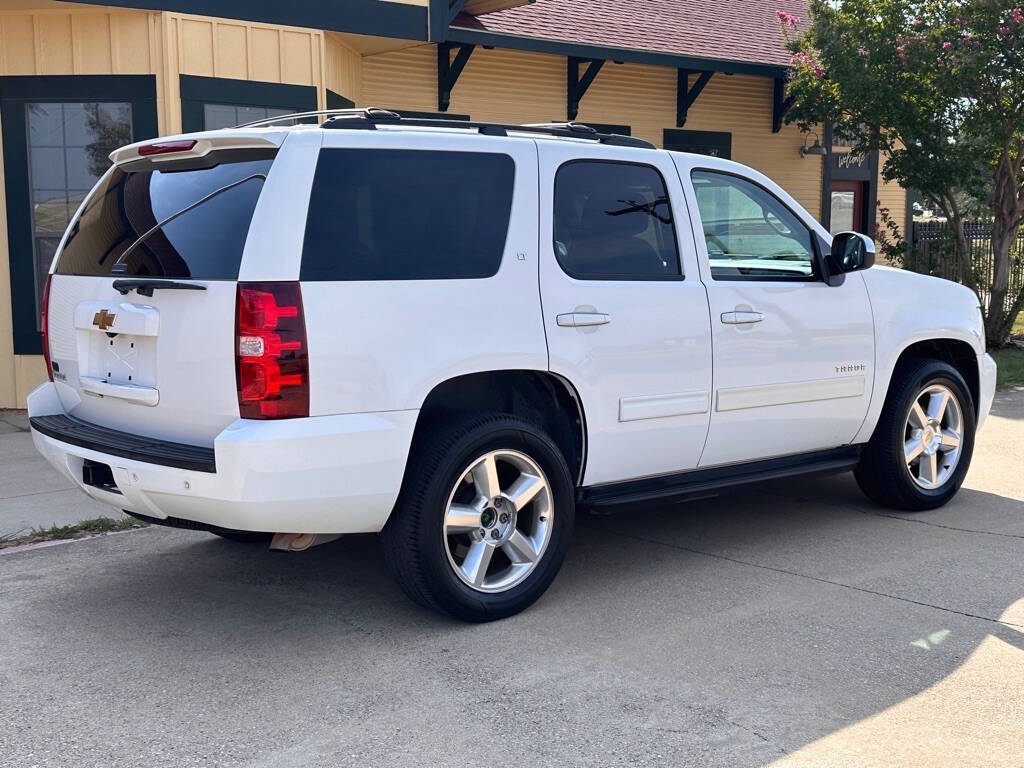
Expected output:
(938, 87)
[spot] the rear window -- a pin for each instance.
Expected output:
(407, 215)
(204, 241)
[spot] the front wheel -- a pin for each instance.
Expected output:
(483, 522)
(921, 449)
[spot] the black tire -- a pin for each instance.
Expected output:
(244, 537)
(882, 472)
(414, 541)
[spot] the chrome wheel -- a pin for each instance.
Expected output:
(932, 436)
(498, 521)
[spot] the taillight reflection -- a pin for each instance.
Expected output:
(272, 365)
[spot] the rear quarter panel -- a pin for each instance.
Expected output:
(384, 345)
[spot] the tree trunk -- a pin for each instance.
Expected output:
(1000, 313)
(963, 253)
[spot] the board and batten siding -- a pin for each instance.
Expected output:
(343, 70)
(894, 197)
(240, 50)
(515, 87)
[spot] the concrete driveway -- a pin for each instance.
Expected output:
(788, 625)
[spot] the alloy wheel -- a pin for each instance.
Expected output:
(932, 435)
(498, 521)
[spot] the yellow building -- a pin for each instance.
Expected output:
(77, 80)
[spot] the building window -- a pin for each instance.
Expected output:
(229, 115)
(210, 103)
(68, 148)
(713, 143)
(58, 132)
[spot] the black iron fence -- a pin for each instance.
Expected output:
(931, 252)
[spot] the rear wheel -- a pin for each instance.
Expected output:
(484, 519)
(922, 446)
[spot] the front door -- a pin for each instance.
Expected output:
(793, 356)
(846, 206)
(625, 311)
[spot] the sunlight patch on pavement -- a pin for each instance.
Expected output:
(934, 639)
(973, 716)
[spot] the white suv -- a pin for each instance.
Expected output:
(455, 333)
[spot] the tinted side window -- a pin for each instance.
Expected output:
(749, 232)
(206, 242)
(613, 221)
(384, 214)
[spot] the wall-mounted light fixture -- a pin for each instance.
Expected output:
(815, 149)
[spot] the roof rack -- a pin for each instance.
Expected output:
(368, 118)
(292, 117)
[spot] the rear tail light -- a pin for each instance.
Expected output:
(45, 324)
(271, 362)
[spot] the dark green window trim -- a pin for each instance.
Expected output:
(197, 91)
(337, 101)
(15, 92)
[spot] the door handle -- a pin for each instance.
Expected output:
(742, 317)
(582, 319)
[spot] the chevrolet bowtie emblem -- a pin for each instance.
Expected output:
(103, 319)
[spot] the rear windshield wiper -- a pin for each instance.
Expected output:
(146, 285)
(119, 266)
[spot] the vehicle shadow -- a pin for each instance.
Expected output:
(771, 617)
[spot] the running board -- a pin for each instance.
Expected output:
(699, 483)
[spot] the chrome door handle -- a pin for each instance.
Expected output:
(582, 319)
(742, 318)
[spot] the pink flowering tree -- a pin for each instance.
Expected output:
(938, 86)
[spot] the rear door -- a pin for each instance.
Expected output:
(625, 312)
(162, 364)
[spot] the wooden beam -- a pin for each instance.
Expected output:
(685, 94)
(448, 70)
(781, 104)
(578, 85)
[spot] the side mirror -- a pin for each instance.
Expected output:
(851, 251)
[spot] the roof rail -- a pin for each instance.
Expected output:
(294, 116)
(370, 118)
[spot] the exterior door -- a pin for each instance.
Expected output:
(625, 312)
(793, 356)
(847, 207)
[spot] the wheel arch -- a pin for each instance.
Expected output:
(543, 398)
(958, 353)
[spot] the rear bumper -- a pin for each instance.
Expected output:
(324, 474)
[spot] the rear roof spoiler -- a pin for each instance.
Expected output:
(174, 149)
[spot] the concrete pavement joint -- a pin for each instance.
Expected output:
(947, 527)
(818, 579)
(856, 510)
